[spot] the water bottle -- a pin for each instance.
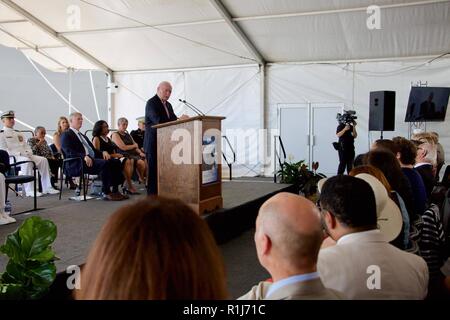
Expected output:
(8, 207)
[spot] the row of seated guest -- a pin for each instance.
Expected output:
(417, 160)
(122, 144)
(290, 231)
(355, 260)
(74, 144)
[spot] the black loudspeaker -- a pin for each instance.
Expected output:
(382, 111)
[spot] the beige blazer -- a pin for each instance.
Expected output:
(306, 290)
(364, 266)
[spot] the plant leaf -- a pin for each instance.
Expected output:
(36, 235)
(12, 248)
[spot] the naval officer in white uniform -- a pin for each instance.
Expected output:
(14, 143)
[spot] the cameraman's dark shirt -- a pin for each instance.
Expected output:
(347, 140)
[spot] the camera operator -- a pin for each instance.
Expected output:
(346, 132)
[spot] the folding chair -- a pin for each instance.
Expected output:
(11, 177)
(83, 178)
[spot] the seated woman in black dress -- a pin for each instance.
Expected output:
(129, 148)
(102, 142)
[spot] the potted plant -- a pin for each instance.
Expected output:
(31, 267)
(306, 180)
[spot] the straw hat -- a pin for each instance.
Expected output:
(389, 217)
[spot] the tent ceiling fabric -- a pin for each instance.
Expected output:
(163, 34)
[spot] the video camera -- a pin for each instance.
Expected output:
(348, 117)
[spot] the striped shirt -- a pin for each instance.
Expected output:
(432, 240)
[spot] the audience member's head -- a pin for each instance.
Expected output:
(377, 173)
(40, 132)
(76, 120)
(156, 248)
(122, 124)
(436, 135)
(426, 152)
(141, 124)
(407, 151)
(63, 125)
(384, 144)
(425, 137)
(101, 128)
(348, 205)
(360, 160)
(8, 119)
(389, 165)
(288, 235)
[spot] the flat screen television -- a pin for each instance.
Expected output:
(427, 104)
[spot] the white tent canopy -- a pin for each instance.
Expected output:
(125, 35)
(245, 60)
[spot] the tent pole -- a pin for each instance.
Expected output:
(70, 90)
(263, 119)
(110, 81)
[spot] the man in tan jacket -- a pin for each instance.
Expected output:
(288, 238)
(362, 264)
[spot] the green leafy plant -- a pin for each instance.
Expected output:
(297, 173)
(31, 268)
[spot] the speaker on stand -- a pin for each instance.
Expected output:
(382, 111)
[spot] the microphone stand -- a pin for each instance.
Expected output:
(192, 107)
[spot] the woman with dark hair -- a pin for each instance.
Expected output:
(384, 144)
(388, 164)
(102, 142)
(154, 249)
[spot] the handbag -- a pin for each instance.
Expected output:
(336, 146)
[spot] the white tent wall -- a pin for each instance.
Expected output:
(324, 83)
(235, 93)
(25, 91)
(230, 92)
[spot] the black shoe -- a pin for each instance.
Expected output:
(125, 191)
(113, 197)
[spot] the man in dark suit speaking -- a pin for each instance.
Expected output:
(158, 110)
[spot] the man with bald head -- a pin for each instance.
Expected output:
(288, 237)
(158, 110)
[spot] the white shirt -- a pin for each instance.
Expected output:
(14, 142)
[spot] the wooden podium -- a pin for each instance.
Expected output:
(189, 155)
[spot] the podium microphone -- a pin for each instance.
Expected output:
(192, 107)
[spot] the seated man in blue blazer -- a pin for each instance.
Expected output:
(74, 144)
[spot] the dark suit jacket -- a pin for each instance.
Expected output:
(155, 114)
(426, 172)
(73, 148)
